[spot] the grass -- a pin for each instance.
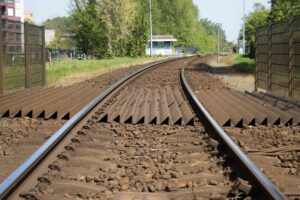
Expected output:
(240, 63)
(3, 123)
(60, 69)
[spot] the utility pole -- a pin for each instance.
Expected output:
(151, 34)
(218, 44)
(218, 56)
(244, 34)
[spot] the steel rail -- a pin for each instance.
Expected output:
(259, 177)
(16, 178)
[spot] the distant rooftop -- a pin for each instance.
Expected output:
(163, 38)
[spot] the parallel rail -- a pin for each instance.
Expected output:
(16, 178)
(248, 165)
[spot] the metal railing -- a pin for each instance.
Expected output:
(278, 58)
(22, 55)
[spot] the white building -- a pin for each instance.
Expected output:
(49, 36)
(19, 12)
(162, 45)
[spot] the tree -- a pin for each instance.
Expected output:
(108, 28)
(259, 17)
(89, 30)
(118, 17)
(282, 9)
(62, 37)
(259, 7)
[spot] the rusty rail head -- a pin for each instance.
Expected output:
(248, 165)
(16, 178)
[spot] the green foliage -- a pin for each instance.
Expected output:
(255, 19)
(282, 9)
(180, 18)
(243, 64)
(58, 23)
(89, 29)
(61, 27)
(116, 28)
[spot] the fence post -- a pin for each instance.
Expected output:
(270, 59)
(256, 61)
(1, 61)
(26, 45)
(291, 56)
(43, 56)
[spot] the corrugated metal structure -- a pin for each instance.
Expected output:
(278, 58)
(145, 106)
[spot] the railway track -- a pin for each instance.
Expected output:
(94, 157)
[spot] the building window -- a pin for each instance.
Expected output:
(10, 1)
(10, 12)
(3, 10)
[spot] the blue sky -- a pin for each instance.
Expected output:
(227, 12)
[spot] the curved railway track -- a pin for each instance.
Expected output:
(125, 151)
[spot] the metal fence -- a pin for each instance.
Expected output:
(57, 54)
(278, 58)
(22, 55)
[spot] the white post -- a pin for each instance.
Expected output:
(151, 34)
(244, 34)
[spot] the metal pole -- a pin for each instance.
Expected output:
(26, 45)
(244, 31)
(218, 44)
(291, 55)
(151, 34)
(270, 58)
(256, 61)
(43, 56)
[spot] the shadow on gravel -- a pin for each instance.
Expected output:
(239, 68)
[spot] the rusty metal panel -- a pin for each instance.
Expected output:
(280, 38)
(262, 84)
(21, 55)
(262, 58)
(262, 49)
(1, 61)
(280, 48)
(295, 25)
(35, 43)
(280, 59)
(263, 39)
(264, 30)
(262, 67)
(283, 56)
(13, 55)
(296, 36)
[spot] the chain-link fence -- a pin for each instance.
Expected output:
(60, 54)
(22, 55)
(278, 58)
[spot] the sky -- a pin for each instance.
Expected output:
(227, 12)
(45, 9)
